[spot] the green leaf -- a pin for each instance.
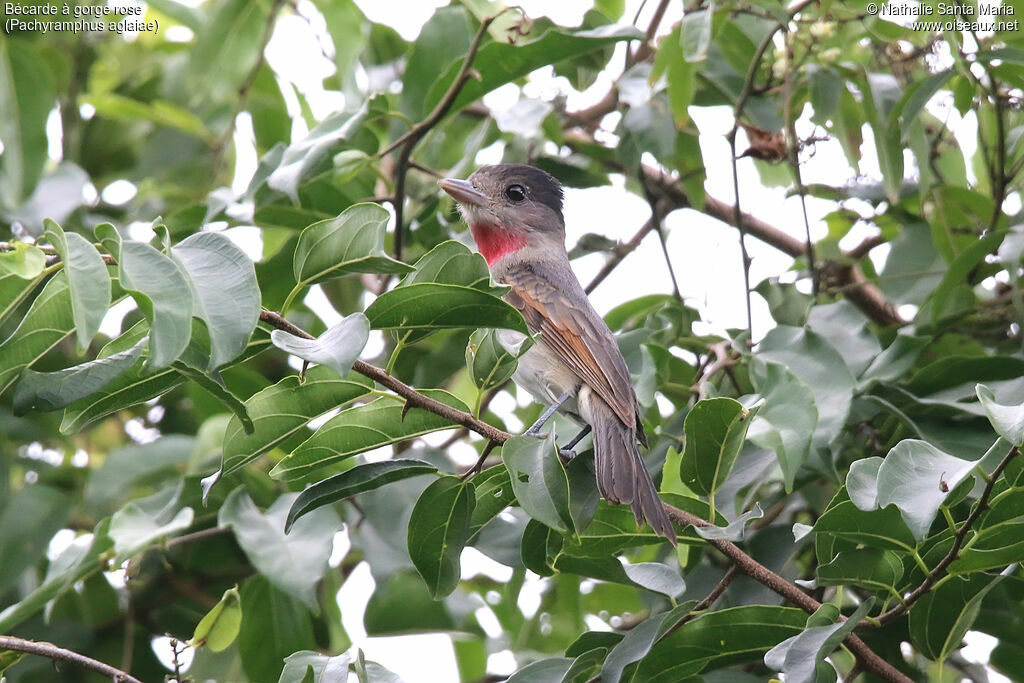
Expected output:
(826, 87)
(543, 671)
(681, 78)
(382, 422)
(141, 523)
(996, 541)
(324, 669)
(786, 422)
(715, 430)
(871, 568)
(29, 518)
(539, 480)
(337, 348)
(402, 603)
(360, 478)
(494, 493)
(77, 561)
(499, 63)
(964, 371)
(282, 411)
(220, 626)
(432, 306)
(88, 279)
(349, 32)
(443, 39)
(732, 531)
(896, 360)
(916, 477)
(640, 639)
(302, 159)
(140, 382)
(133, 465)
(935, 308)
(275, 626)
(800, 656)
(294, 562)
(352, 242)
(13, 291)
(225, 293)
(214, 385)
(717, 639)
(878, 528)
(451, 263)
(1008, 421)
(438, 531)
(27, 95)
(161, 112)
(489, 362)
(48, 391)
(26, 261)
(695, 33)
(905, 112)
(227, 45)
(654, 576)
(862, 482)
(816, 363)
(880, 94)
(940, 618)
(48, 320)
(160, 290)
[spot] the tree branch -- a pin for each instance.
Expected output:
(745, 563)
(958, 543)
(867, 658)
(411, 138)
(220, 146)
(413, 398)
(60, 654)
(644, 50)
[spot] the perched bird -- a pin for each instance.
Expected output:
(515, 215)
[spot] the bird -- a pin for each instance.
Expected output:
(514, 213)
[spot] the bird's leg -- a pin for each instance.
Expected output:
(546, 415)
(567, 451)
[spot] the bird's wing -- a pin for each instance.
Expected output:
(571, 328)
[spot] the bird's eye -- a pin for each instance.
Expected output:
(515, 193)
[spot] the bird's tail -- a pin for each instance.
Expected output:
(622, 476)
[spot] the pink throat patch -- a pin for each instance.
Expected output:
(495, 242)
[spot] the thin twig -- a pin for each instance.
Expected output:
(620, 253)
(958, 543)
(412, 137)
(658, 216)
(793, 149)
(60, 654)
(717, 591)
(194, 536)
(644, 50)
(741, 102)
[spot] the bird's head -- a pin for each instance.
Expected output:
(508, 207)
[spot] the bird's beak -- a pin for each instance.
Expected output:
(463, 192)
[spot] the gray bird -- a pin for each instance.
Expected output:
(515, 215)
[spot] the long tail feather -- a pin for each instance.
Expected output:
(622, 476)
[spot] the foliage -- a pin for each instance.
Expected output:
(170, 475)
